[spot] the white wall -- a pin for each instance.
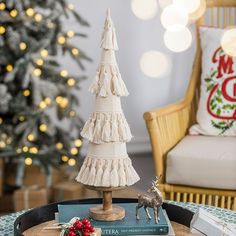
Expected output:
(134, 38)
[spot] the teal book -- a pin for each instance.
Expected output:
(128, 226)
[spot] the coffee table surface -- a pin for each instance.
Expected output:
(7, 221)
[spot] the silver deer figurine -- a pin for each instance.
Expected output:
(148, 201)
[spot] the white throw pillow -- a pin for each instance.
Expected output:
(216, 113)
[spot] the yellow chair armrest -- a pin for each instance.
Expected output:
(163, 111)
(166, 127)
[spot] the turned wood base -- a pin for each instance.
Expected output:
(106, 211)
(98, 213)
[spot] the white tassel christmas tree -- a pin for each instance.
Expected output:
(107, 163)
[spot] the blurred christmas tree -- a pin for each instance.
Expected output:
(32, 82)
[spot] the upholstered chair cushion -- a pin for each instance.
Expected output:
(203, 161)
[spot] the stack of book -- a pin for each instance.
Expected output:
(128, 226)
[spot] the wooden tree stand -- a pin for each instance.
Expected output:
(106, 211)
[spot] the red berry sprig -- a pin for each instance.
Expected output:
(79, 228)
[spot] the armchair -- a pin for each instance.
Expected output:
(169, 125)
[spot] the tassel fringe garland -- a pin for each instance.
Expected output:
(106, 127)
(107, 172)
(103, 85)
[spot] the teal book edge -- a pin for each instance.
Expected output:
(128, 226)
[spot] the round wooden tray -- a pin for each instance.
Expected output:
(44, 214)
(39, 230)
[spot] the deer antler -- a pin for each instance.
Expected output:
(153, 183)
(157, 179)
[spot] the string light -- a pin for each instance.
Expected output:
(9, 67)
(74, 151)
(2, 6)
(50, 25)
(78, 143)
(21, 118)
(178, 41)
(1, 120)
(44, 53)
(144, 9)
(71, 162)
(37, 72)
(71, 6)
(47, 100)
(22, 46)
(228, 42)
(18, 150)
(72, 113)
(62, 101)
(26, 92)
(30, 12)
(9, 140)
(64, 73)
(13, 13)
(64, 158)
(71, 82)
(189, 6)
(2, 29)
(43, 127)
(199, 12)
(25, 149)
(70, 34)
(61, 40)
(31, 137)
(39, 62)
(38, 17)
(28, 161)
(154, 64)
(75, 51)
(174, 18)
(2, 144)
(33, 150)
(59, 146)
(42, 104)
(59, 99)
